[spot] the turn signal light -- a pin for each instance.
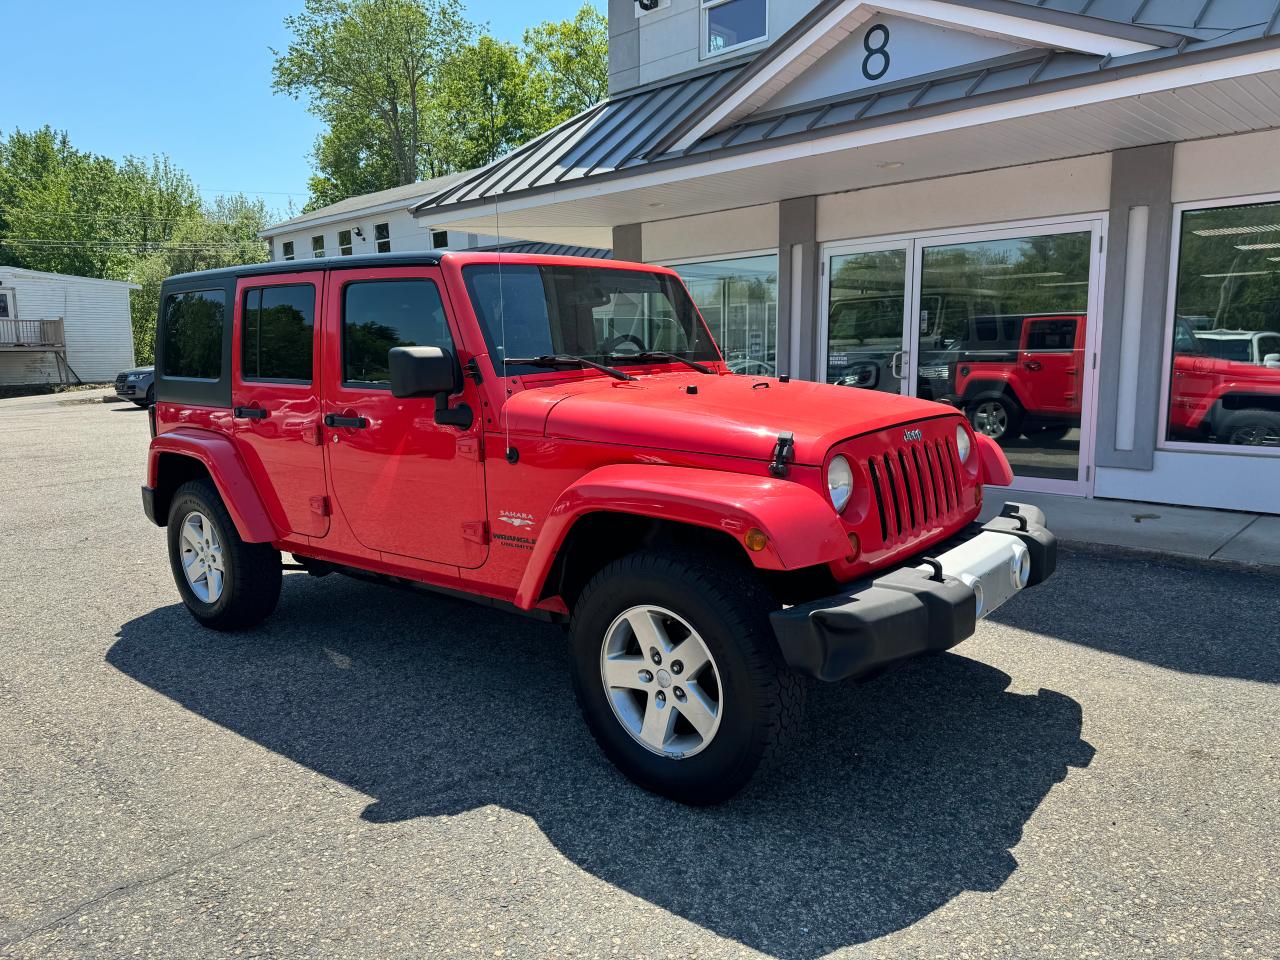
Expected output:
(755, 540)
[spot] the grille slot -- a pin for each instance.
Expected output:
(914, 486)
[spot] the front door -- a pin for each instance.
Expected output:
(275, 397)
(406, 485)
(866, 293)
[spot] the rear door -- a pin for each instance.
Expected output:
(1052, 360)
(275, 398)
(405, 485)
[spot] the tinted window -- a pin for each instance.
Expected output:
(277, 333)
(191, 334)
(380, 314)
(1052, 335)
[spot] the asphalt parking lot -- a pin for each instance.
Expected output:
(379, 774)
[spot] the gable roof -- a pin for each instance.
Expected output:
(380, 201)
(26, 274)
(649, 128)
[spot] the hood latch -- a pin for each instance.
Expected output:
(784, 452)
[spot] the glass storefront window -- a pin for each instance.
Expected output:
(1224, 381)
(864, 319)
(1002, 333)
(739, 300)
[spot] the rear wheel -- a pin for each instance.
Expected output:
(1255, 428)
(678, 674)
(1000, 418)
(1056, 431)
(227, 584)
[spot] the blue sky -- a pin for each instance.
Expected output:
(192, 80)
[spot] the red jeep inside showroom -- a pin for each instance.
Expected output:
(561, 437)
(1023, 374)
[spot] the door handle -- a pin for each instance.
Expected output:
(1033, 364)
(250, 413)
(353, 423)
(895, 363)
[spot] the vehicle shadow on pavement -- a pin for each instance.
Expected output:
(899, 794)
(1177, 614)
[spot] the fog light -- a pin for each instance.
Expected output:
(855, 547)
(755, 540)
(1020, 568)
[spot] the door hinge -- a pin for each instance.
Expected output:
(313, 433)
(477, 531)
(1095, 361)
(320, 506)
(1088, 473)
(471, 447)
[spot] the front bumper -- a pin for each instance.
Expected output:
(930, 604)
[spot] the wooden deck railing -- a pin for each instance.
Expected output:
(27, 334)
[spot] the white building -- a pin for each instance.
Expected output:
(62, 329)
(371, 223)
(1030, 209)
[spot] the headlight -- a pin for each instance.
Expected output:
(136, 376)
(839, 482)
(962, 442)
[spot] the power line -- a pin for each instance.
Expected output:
(150, 245)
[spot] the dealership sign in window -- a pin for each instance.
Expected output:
(1224, 377)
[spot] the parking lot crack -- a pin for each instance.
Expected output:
(126, 887)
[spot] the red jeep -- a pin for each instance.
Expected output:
(561, 437)
(1023, 374)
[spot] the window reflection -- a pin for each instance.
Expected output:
(1002, 330)
(739, 301)
(1224, 385)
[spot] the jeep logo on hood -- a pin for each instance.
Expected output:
(913, 435)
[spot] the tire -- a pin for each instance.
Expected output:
(248, 587)
(999, 417)
(151, 395)
(1258, 428)
(757, 700)
(1057, 431)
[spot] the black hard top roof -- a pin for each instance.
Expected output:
(427, 258)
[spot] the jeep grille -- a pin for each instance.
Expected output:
(915, 485)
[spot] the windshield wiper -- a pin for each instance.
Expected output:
(663, 355)
(568, 360)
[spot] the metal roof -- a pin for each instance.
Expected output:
(403, 196)
(628, 132)
(546, 249)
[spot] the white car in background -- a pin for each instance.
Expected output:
(1244, 346)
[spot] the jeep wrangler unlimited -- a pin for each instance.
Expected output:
(562, 437)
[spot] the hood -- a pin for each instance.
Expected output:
(733, 416)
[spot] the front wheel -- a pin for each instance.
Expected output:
(679, 676)
(1000, 418)
(227, 584)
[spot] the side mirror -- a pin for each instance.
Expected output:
(1271, 360)
(422, 371)
(429, 372)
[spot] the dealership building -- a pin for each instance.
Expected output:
(1063, 216)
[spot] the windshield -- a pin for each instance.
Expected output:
(593, 312)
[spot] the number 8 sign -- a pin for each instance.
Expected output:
(876, 42)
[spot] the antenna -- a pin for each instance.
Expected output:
(511, 454)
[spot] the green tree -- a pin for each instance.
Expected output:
(63, 210)
(374, 60)
(569, 63)
(488, 101)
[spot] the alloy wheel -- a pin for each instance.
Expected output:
(991, 418)
(202, 561)
(661, 681)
